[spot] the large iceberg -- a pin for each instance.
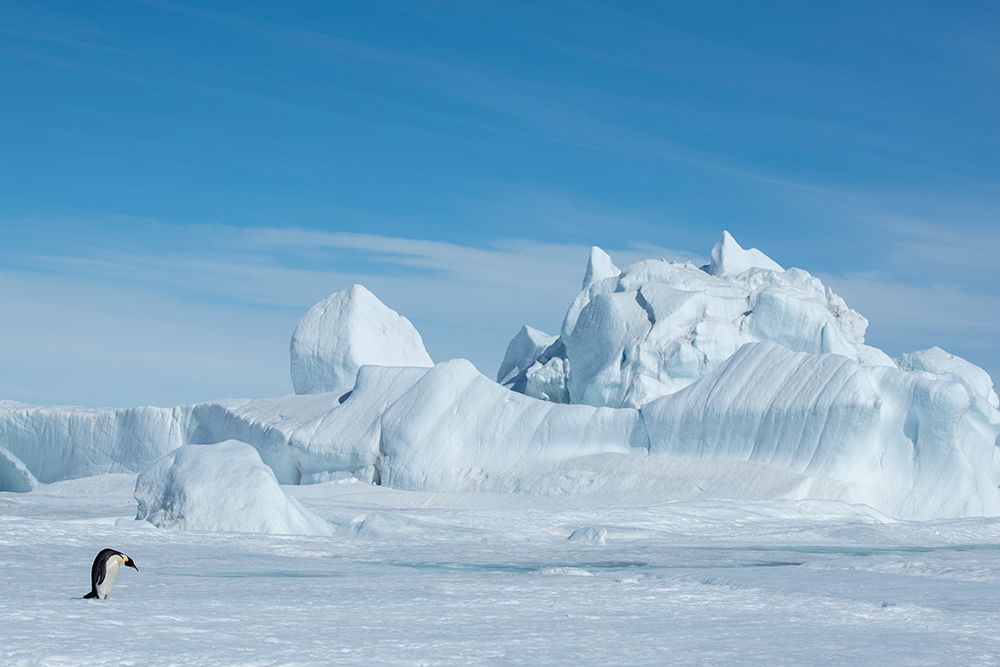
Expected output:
(739, 379)
(345, 331)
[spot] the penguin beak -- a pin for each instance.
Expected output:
(131, 563)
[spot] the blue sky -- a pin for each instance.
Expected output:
(180, 181)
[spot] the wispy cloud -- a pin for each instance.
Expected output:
(174, 314)
(168, 314)
(937, 286)
(966, 255)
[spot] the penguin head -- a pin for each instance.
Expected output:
(128, 562)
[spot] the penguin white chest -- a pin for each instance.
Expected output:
(110, 574)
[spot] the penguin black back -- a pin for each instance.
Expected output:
(104, 571)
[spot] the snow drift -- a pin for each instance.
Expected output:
(737, 379)
(221, 487)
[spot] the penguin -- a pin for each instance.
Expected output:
(104, 571)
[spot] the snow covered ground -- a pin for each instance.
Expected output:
(411, 578)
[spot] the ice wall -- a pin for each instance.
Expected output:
(907, 444)
(739, 379)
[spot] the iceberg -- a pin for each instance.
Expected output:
(345, 331)
(634, 335)
(455, 429)
(740, 379)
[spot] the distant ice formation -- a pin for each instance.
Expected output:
(739, 379)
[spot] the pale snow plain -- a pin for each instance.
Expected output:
(417, 578)
(660, 504)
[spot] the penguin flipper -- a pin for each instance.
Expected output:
(92, 595)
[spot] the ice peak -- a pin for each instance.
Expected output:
(599, 267)
(522, 351)
(729, 257)
(359, 291)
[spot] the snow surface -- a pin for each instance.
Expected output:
(221, 487)
(457, 578)
(345, 331)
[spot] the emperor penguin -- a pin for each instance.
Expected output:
(104, 572)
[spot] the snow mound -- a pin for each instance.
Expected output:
(221, 487)
(345, 331)
(657, 326)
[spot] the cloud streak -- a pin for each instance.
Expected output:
(169, 322)
(171, 314)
